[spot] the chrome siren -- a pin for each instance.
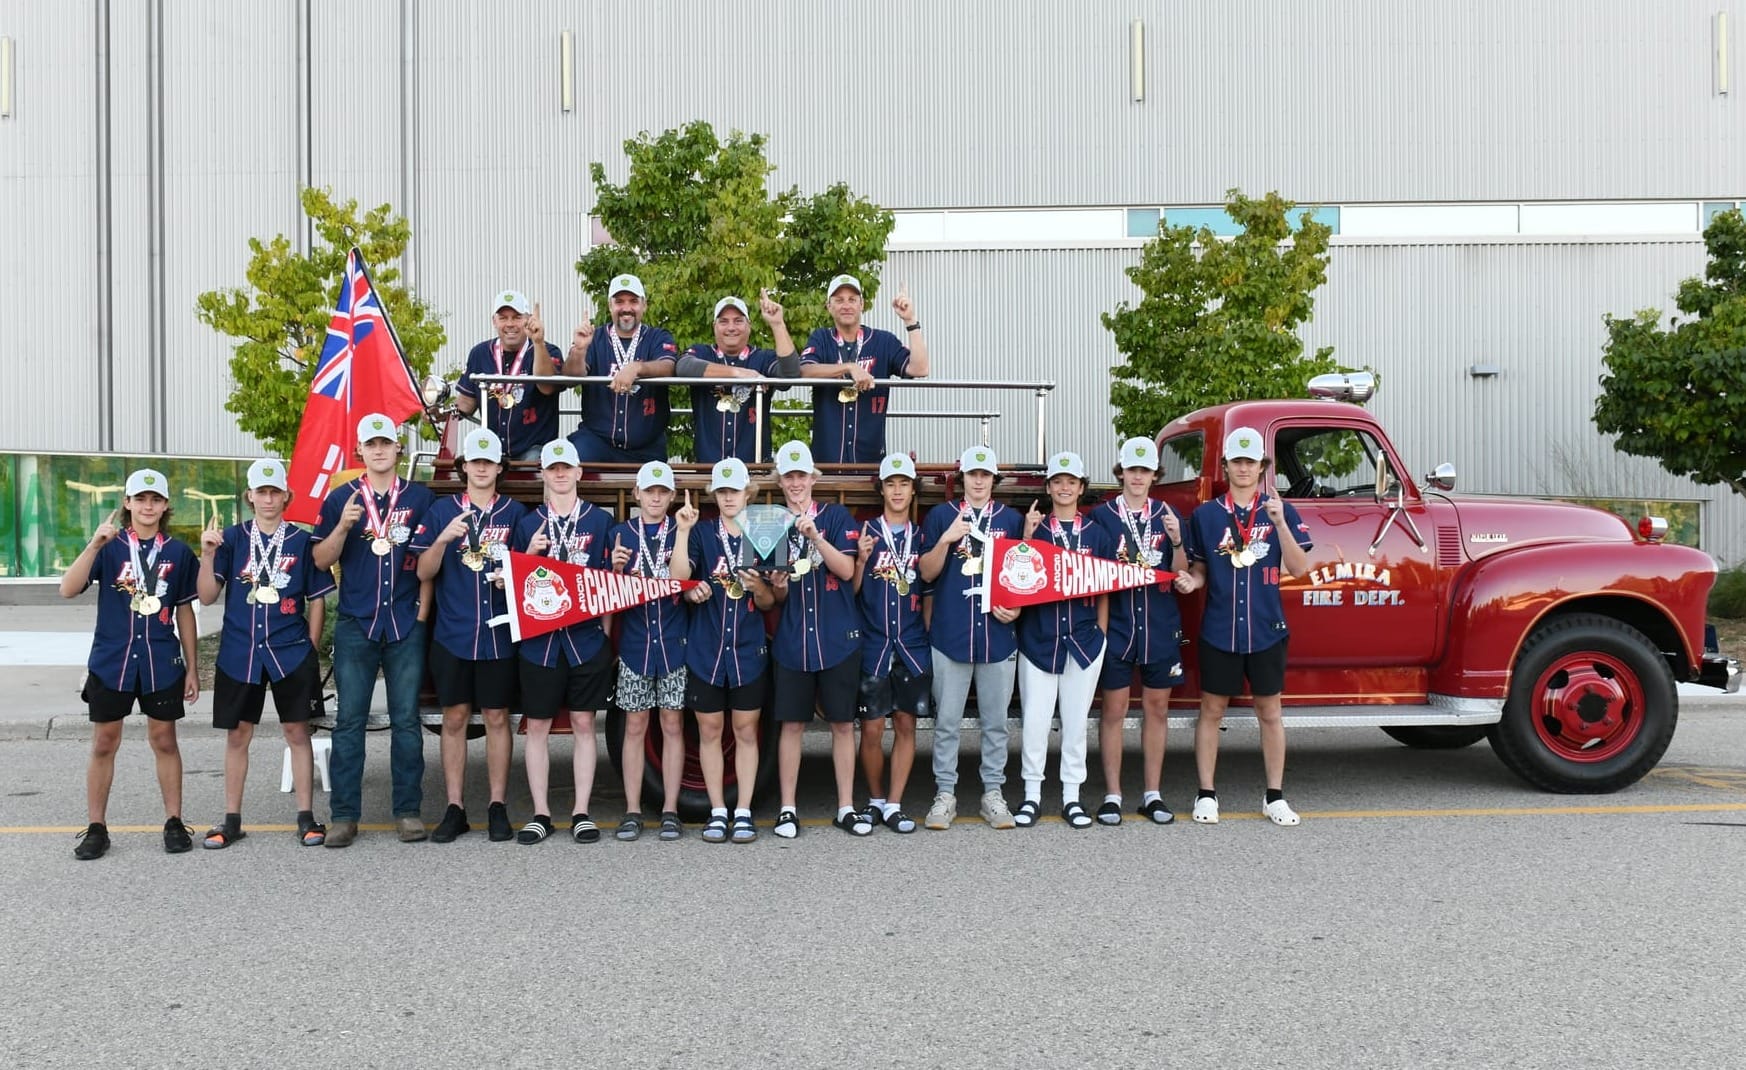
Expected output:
(1355, 387)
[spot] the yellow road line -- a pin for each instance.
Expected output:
(1323, 815)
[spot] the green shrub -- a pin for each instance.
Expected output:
(1728, 596)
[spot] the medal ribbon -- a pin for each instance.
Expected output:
(514, 369)
(1241, 530)
(476, 521)
(1140, 529)
(144, 573)
(651, 564)
(728, 547)
(561, 529)
(902, 565)
(797, 542)
(266, 557)
(376, 524)
(1060, 537)
(980, 521)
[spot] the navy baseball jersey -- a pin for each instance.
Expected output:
(1050, 633)
(1145, 623)
(726, 645)
(578, 537)
(960, 630)
(379, 592)
(845, 432)
(130, 651)
(890, 599)
(270, 638)
(1243, 611)
(530, 419)
(725, 414)
(651, 637)
(820, 624)
(467, 598)
(626, 421)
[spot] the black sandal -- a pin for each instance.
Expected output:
(1110, 813)
(715, 830)
(218, 837)
(854, 823)
(535, 831)
(898, 821)
(1158, 812)
(583, 829)
(1026, 815)
(744, 830)
(1075, 816)
(630, 828)
(671, 827)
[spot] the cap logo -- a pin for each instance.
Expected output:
(727, 470)
(981, 456)
(150, 480)
(1139, 451)
(267, 470)
(1243, 442)
(375, 425)
(506, 298)
(1063, 459)
(657, 472)
(482, 442)
(794, 455)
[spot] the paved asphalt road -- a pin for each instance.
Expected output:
(1430, 911)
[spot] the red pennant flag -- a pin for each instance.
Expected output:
(1028, 573)
(362, 370)
(545, 595)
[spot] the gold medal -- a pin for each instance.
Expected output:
(971, 567)
(727, 403)
(134, 602)
(380, 546)
(148, 605)
(734, 589)
(473, 559)
(901, 584)
(802, 566)
(1245, 558)
(265, 595)
(847, 395)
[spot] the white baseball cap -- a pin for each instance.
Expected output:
(376, 426)
(558, 451)
(626, 284)
(896, 464)
(1066, 464)
(1139, 453)
(794, 457)
(978, 458)
(1244, 442)
(267, 473)
(512, 299)
(841, 281)
(729, 302)
(483, 445)
(148, 479)
(729, 473)
(655, 474)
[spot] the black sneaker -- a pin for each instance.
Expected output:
(92, 842)
(453, 824)
(176, 837)
(497, 823)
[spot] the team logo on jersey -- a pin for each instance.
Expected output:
(545, 596)
(1021, 571)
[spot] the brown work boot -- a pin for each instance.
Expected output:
(412, 828)
(342, 833)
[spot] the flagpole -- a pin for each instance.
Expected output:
(399, 350)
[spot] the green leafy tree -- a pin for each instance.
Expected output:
(696, 221)
(1217, 319)
(280, 318)
(1679, 394)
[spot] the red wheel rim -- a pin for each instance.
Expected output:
(1588, 706)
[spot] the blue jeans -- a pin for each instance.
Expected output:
(356, 659)
(592, 449)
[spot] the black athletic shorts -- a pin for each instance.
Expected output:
(1223, 673)
(105, 706)
(898, 691)
(485, 685)
(833, 692)
(296, 697)
(705, 697)
(583, 688)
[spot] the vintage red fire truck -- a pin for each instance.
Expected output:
(1555, 630)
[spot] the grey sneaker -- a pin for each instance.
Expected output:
(994, 810)
(411, 828)
(943, 812)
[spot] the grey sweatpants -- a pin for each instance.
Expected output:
(993, 695)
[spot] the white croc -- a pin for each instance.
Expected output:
(1279, 812)
(1206, 811)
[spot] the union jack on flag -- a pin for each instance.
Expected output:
(358, 315)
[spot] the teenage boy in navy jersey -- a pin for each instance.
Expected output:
(273, 613)
(571, 667)
(651, 651)
(816, 663)
(724, 417)
(1237, 544)
(968, 644)
(624, 420)
(524, 417)
(143, 650)
(848, 416)
(897, 672)
(1145, 631)
(472, 663)
(365, 528)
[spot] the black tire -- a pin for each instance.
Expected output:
(1592, 707)
(693, 798)
(1438, 736)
